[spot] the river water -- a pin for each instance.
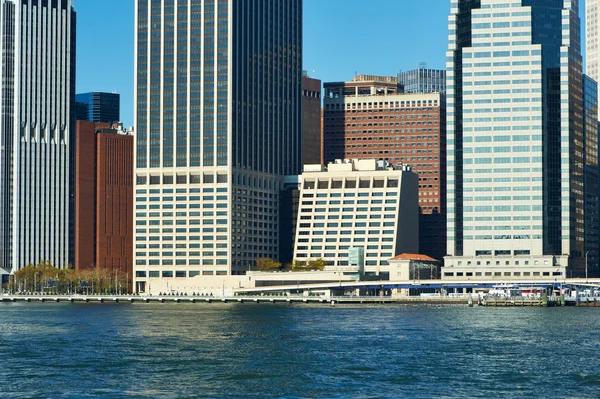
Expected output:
(299, 351)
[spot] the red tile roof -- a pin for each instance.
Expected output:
(423, 258)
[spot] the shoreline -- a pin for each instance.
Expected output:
(234, 299)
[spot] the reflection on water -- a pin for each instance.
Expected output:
(249, 350)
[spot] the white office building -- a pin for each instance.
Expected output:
(218, 126)
(37, 131)
(357, 203)
(515, 140)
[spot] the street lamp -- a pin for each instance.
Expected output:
(586, 266)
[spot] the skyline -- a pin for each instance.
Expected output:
(106, 63)
(328, 60)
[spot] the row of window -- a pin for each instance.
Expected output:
(180, 238)
(177, 273)
(182, 198)
(407, 106)
(317, 255)
(340, 248)
(192, 178)
(347, 233)
(180, 262)
(345, 239)
(181, 190)
(502, 274)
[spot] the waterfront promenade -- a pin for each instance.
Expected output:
(463, 299)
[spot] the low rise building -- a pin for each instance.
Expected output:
(357, 203)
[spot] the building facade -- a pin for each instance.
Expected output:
(311, 121)
(515, 140)
(357, 203)
(422, 80)
(591, 248)
(370, 120)
(104, 198)
(98, 107)
(592, 29)
(218, 126)
(37, 131)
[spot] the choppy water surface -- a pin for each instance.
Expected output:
(247, 350)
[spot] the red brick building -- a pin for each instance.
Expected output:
(368, 119)
(104, 198)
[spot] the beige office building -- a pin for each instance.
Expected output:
(357, 203)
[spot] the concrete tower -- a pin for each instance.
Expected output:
(37, 127)
(218, 125)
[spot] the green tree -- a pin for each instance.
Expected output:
(301, 266)
(267, 265)
(298, 266)
(317, 264)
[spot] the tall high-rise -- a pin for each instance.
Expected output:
(312, 134)
(104, 198)
(592, 29)
(37, 130)
(218, 125)
(516, 187)
(591, 175)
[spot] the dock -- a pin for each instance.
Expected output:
(332, 301)
(231, 299)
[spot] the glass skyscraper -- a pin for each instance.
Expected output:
(516, 187)
(422, 80)
(218, 125)
(98, 107)
(37, 130)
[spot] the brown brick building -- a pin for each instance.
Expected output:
(104, 198)
(368, 119)
(311, 121)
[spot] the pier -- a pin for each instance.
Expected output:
(107, 299)
(406, 300)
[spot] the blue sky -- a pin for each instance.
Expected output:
(341, 37)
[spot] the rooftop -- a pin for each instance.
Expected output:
(417, 257)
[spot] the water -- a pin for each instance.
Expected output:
(300, 351)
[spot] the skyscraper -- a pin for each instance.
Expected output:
(98, 107)
(591, 172)
(37, 111)
(515, 140)
(592, 27)
(312, 134)
(104, 198)
(218, 125)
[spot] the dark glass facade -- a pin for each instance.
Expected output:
(591, 215)
(422, 80)
(98, 107)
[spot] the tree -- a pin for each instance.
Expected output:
(267, 265)
(317, 264)
(301, 266)
(298, 266)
